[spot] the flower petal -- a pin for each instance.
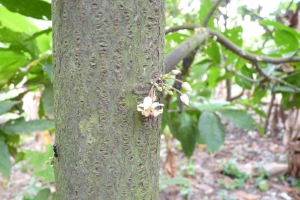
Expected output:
(155, 104)
(147, 102)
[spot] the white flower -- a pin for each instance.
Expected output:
(147, 103)
(150, 110)
(175, 72)
(185, 99)
(186, 86)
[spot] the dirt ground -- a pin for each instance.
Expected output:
(248, 151)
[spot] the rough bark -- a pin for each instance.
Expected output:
(105, 53)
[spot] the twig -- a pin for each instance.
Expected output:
(234, 48)
(210, 13)
(269, 112)
(289, 6)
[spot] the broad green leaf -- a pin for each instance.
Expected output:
(239, 118)
(16, 22)
(205, 7)
(20, 157)
(10, 62)
(43, 194)
(200, 68)
(188, 134)
(5, 164)
(19, 23)
(242, 81)
(280, 26)
(214, 74)
(45, 173)
(49, 71)
(260, 129)
(48, 99)
(258, 94)
(7, 105)
(210, 105)
(235, 35)
(20, 126)
(283, 89)
(213, 51)
(286, 41)
(211, 130)
(32, 8)
(174, 181)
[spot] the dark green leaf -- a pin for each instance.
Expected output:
(43, 194)
(242, 81)
(7, 105)
(239, 118)
(258, 94)
(283, 89)
(188, 134)
(212, 131)
(32, 8)
(20, 126)
(5, 164)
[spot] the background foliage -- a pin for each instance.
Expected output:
(26, 66)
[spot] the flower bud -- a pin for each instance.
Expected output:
(186, 86)
(46, 162)
(159, 89)
(185, 99)
(170, 93)
(175, 72)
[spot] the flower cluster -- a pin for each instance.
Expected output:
(150, 108)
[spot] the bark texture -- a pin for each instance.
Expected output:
(105, 54)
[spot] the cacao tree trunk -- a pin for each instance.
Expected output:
(105, 54)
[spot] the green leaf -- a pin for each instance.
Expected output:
(283, 89)
(200, 68)
(212, 131)
(174, 181)
(214, 74)
(43, 194)
(7, 105)
(10, 62)
(258, 94)
(239, 118)
(188, 134)
(49, 71)
(280, 26)
(48, 99)
(205, 7)
(212, 105)
(243, 82)
(20, 157)
(235, 35)
(32, 8)
(286, 41)
(20, 126)
(5, 164)
(213, 51)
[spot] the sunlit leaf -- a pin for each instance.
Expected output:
(286, 41)
(32, 8)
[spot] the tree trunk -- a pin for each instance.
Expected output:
(105, 54)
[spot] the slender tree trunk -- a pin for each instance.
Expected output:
(105, 54)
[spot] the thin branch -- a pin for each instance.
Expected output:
(289, 6)
(210, 13)
(234, 48)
